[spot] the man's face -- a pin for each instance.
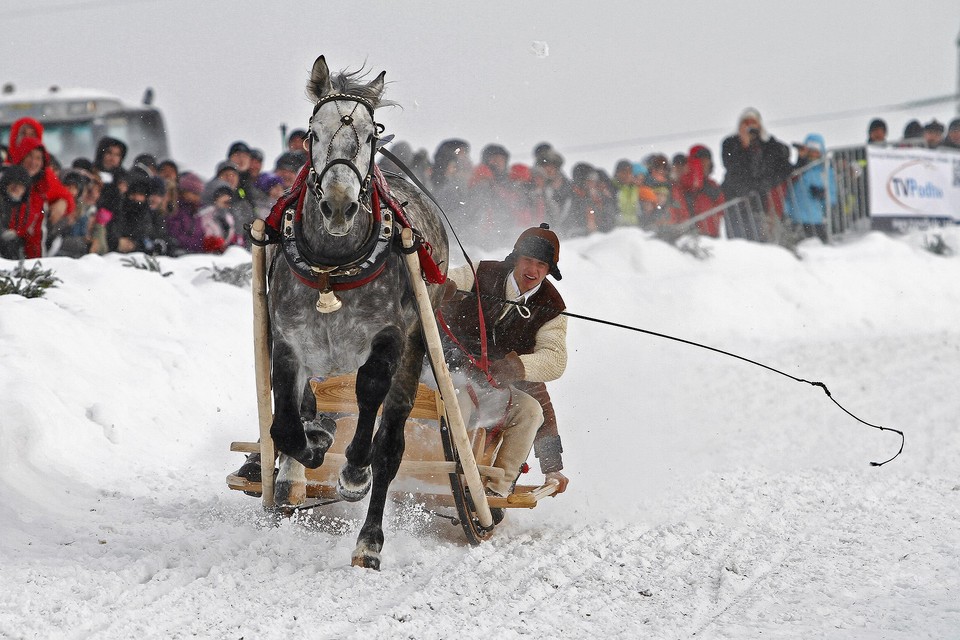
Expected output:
(112, 158)
(878, 134)
(529, 272)
(954, 135)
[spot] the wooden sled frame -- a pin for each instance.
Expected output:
(461, 458)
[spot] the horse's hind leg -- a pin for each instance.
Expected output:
(373, 383)
(388, 448)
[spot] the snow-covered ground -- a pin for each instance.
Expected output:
(708, 498)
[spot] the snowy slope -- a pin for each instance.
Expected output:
(708, 498)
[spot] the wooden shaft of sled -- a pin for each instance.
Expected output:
(435, 352)
(261, 359)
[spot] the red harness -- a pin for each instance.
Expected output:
(286, 218)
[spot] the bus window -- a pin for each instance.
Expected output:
(68, 141)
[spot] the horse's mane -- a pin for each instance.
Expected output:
(351, 82)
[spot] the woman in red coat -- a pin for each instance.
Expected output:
(45, 188)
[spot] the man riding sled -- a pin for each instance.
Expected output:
(526, 347)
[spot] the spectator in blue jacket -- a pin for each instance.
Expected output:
(812, 188)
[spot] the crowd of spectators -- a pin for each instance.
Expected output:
(112, 203)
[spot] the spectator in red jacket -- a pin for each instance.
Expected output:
(699, 193)
(45, 190)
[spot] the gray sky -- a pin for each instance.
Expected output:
(613, 71)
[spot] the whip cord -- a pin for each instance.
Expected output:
(722, 352)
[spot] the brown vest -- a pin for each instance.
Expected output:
(511, 333)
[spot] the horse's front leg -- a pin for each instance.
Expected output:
(388, 448)
(373, 382)
(300, 436)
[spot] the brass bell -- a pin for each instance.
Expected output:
(328, 302)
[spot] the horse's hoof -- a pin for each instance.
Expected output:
(354, 482)
(366, 558)
(290, 493)
(320, 434)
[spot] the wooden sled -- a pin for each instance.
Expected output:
(430, 470)
(442, 461)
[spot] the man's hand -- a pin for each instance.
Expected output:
(507, 370)
(560, 479)
(126, 245)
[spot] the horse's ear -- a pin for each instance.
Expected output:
(377, 84)
(319, 83)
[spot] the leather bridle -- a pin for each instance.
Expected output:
(347, 124)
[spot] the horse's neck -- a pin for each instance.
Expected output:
(334, 249)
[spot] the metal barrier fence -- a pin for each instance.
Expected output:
(766, 217)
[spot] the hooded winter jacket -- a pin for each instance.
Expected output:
(806, 201)
(44, 187)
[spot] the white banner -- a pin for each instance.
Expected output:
(914, 183)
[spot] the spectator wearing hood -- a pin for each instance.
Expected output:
(184, 227)
(108, 162)
(45, 189)
(699, 193)
(14, 182)
(132, 229)
(219, 225)
(806, 202)
(21, 130)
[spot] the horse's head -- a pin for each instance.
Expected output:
(342, 144)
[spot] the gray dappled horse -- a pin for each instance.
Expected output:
(338, 237)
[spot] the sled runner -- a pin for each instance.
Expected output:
(442, 461)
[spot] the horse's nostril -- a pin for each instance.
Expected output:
(325, 209)
(352, 209)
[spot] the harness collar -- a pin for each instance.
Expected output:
(365, 265)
